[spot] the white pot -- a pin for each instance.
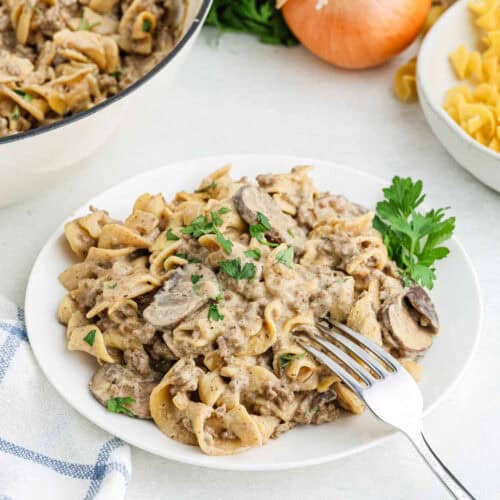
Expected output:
(28, 160)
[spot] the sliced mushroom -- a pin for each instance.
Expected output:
(401, 328)
(422, 308)
(179, 297)
(249, 200)
(113, 380)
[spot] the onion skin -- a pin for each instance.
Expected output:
(356, 34)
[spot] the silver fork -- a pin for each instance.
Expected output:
(387, 389)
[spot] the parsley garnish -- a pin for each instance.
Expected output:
(234, 270)
(216, 219)
(412, 238)
(206, 188)
(200, 225)
(171, 236)
(27, 97)
(16, 113)
(285, 257)
(114, 285)
(117, 405)
(227, 245)
(146, 26)
(253, 254)
(213, 312)
(195, 278)
(259, 17)
(257, 230)
(185, 256)
(262, 219)
(85, 26)
(290, 232)
(90, 337)
(286, 359)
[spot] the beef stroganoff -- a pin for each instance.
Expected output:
(192, 307)
(60, 57)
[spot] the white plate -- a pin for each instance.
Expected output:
(456, 296)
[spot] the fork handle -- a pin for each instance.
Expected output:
(455, 487)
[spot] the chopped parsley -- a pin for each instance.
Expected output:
(290, 232)
(86, 26)
(195, 278)
(146, 26)
(171, 236)
(117, 405)
(234, 270)
(90, 337)
(185, 256)
(286, 359)
(285, 257)
(200, 225)
(214, 313)
(16, 113)
(27, 97)
(253, 254)
(262, 219)
(216, 218)
(257, 230)
(206, 188)
(113, 285)
(227, 245)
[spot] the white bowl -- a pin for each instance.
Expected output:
(28, 159)
(435, 76)
(456, 296)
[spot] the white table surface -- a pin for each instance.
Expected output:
(243, 97)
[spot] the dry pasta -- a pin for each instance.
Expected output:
(475, 105)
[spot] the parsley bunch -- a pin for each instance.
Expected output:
(258, 17)
(413, 239)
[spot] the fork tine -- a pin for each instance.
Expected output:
(345, 376)
(353, 365)
(368, 344)
(360, 353)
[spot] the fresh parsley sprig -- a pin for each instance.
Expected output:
(413, 239)
(258, 17)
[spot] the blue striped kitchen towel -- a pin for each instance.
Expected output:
(47, 450)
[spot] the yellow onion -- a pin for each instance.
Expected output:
(355, 33)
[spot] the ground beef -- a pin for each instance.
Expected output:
(138, 360)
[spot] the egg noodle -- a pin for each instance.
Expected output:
(191, 308)
(476, 106)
